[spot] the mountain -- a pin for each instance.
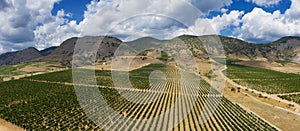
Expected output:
(284, 49)
(48, 51)
(17, 57)
(64, 53)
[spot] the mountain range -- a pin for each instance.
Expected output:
(286, 49)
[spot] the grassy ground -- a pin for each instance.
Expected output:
(11, 70)
(294, 98)
(264, 80)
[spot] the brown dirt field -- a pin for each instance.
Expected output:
(270, 110)
(204, 66)
(40, 67)
(7, 126)
(273, 111)
(36, 69)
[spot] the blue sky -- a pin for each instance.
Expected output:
(46, 23)
(75, 7)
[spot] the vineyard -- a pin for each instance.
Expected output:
(47, 102)
(264, 80)
(294, 97)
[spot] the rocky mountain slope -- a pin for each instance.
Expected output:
(17, 57)
(286, 49)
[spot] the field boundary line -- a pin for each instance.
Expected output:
(272, 96)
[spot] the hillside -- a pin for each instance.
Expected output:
(17, 57)
(285, 49)
(64, 52)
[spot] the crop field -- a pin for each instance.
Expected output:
(8, 71)
(264, 80)
(49, 102)
(295, 97)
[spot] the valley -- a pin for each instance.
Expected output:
(261, 92)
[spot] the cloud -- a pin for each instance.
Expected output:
(17, 28)
(31, 23)
(205, 26)
(265, 3)
(227, 19)
(104, 15)
(260, 26)
(209, 5)
(53, 33)
(294, 11)
(138, 20)
(1, 49)
(4, 4)
(223, 10)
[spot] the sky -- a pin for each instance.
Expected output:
(46, 23)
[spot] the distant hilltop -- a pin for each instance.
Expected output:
(285, 49)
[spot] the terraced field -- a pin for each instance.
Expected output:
(264, 80)
(49, 102)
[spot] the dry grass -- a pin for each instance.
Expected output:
(277, 113)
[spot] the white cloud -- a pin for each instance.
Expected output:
(261, 26)
(31, 23)
(265, 3)
(19, 18)
(232, 19)
(294, 11)
(223, 10)
(158, 19)
(209, 5)
(104, 15)
(205, 26)
(1, 49)
(53, 33)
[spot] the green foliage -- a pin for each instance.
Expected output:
(227, 60)
(41, 106)
(11, 70)
(283, 62)
(232, 61)
(144, 52)
(46, 106)
(232, 89)
(295, 98)
(263, 79)
(61, 76)
(210, 74)
(164, 56)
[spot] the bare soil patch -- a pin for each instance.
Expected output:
(7, 126)
(273, 111)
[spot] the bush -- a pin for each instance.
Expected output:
(233, 89)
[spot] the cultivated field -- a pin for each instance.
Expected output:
(264, 80)
(48, 101)
(294, 97)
